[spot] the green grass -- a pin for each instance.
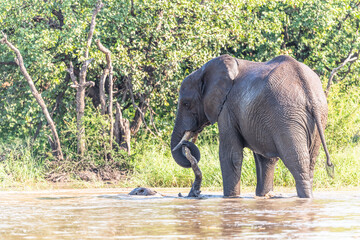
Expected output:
(151, 165)
(154, 167)
(19, 165)
(347, 168)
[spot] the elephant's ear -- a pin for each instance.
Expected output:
(218, 77)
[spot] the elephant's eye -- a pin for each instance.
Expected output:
(186, 104)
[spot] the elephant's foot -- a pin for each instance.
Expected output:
(304, 189)
(195, 189)
(265, 168)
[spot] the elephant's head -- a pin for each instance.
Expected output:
(201, 98)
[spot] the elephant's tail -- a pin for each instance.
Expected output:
(329, 165)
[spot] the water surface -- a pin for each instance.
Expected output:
(112, 214)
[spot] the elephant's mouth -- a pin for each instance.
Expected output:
(199, 130)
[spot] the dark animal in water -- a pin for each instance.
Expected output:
(142, 191)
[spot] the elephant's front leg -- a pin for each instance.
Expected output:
(265, 168)
(231, 156)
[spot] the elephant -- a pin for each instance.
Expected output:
(143, 191)
(277, 109)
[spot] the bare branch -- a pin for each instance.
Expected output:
(109, 70)
(102, 91)
(152, 120)
(350, 58)
(4, 39)
(137, 107)
(118, 111)
(349, 68)
(111, 105)
(88, 84)
(106, 52)
(106, 72)
(70, 70)
(129, 88)
(55, 144)
(99, 5)
(122, 130)
(83, 71)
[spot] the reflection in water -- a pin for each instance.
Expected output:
(106, 214)
(266, 217)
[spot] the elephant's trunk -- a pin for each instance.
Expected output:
(177, 141)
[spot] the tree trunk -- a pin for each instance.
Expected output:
(80, 102)
(55, 142)
(107, 71)
(138, 118)
(58, 101)
(102, 92)
(111, 106)
(80, 109)
(81, 86)
(122, 130)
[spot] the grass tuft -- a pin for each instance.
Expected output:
(18, 164)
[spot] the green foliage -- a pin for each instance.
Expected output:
(344, 117)
(154, 45)
(97, 143)
(18, 163)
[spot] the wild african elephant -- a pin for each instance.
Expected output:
(277, 109)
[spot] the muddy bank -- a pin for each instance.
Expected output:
(106, 174)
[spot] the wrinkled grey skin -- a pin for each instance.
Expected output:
(277, 109)
(142, 191)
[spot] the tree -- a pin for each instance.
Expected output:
(154, 45)
(55, 142)
(82, 85)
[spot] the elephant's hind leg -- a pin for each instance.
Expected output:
(265, 168)
(299, 166)
(293, 149)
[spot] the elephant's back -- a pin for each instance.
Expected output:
(250, 104)
(277, 94)
(294, 79)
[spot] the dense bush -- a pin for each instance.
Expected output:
(154, 45)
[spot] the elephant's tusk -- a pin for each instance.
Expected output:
(186, 137)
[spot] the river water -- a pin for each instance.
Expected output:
(112, 214)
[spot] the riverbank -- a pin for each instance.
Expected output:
(151, 165)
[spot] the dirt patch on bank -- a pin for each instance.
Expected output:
(106, 174)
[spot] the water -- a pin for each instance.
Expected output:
(112, 214)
